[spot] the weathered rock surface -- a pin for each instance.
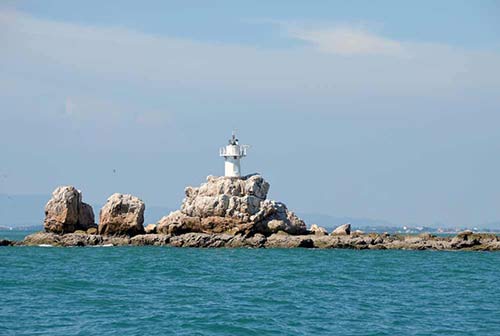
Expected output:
(6, 242)
(122, 215)
(278, 240)
(465, 239)
(484, 242)
(92, 230)
(199, 240)
(228, 205)
(65, 212)
(150, 239)
(344, 229)
(256, 241)
(150, 228)
(318, 230)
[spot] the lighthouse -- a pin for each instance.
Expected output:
(232, 153)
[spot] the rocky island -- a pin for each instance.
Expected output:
(225, 211)
(222, 212)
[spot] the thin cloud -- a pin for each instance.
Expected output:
(348, 41)
(105, 57)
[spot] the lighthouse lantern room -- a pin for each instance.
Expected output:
(232, 153)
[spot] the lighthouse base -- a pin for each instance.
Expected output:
(232, 167)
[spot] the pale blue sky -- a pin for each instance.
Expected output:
(380, 109)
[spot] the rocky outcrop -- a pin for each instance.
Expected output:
(92, 230)
(465, 239)
(150, 229)
(65, 212)
(122, 215)
(342, 230)
(280, 240)
(231, 205)
(318, 230)
(150, 239)
(199, 240)
(6, 242)
(70, 239)
(372, 241)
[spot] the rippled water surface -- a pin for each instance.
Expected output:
(161, 291)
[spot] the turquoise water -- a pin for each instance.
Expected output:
(163, 291)
(14, 234)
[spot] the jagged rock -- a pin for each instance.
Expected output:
(80, 239)
(492, 246)
(239, 208)
(318, 230)
(274, 216)
(256, 241)
(150, 229)
(68, 239)
(65, 212)
(378, 240)
(199, 240)
(116, 240)
(288, 241)
(92, 231)
(482, 242)
(253, 185)
(276, 225)
(226, 226)
(344, 229)
(122, 215)
(177, 223)
(231, 205)
(6, 242)
(86, 219)
(357, 233)
(464, 234)
(42, 238)
(150, 239)
(426, 235)
(465, 239)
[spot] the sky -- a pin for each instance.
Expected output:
(376, 109)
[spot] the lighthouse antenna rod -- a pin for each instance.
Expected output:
(233, 140)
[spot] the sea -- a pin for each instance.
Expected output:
(184, 291)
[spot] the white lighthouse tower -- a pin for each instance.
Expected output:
(232, 153)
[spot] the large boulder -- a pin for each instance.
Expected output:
(280, 240)
(274, 217)
(465, 239)
(65, 212)
(342, 230)
(122, 215)
(231, 205)
(253, 185)
(6, 242)
(318, 230)
(177, 223)
(150, 239)
(150, 229)
(238, 198)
